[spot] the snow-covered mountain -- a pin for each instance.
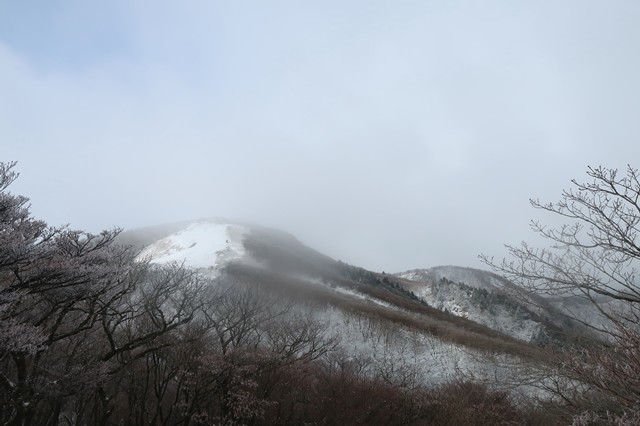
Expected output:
(431, 324)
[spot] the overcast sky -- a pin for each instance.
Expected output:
(389, 134)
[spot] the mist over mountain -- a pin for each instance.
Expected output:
(448, 312)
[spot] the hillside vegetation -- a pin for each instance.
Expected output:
(271, 332)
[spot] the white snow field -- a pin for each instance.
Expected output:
(203, 244)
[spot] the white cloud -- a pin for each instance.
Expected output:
(395, 136)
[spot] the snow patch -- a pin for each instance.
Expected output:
(204, 244)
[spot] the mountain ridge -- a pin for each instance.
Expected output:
(439, 322)
(217, 245)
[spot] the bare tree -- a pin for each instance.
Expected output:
(254, 336)
(75, 310)
(594, 258)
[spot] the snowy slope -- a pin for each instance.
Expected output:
(211, 245)
(201, 244)
(379, 324)
(476, 295)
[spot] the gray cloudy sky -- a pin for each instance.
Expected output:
(389, 134)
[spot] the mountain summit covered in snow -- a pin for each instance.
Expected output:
(218, 247)
(434, 322)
